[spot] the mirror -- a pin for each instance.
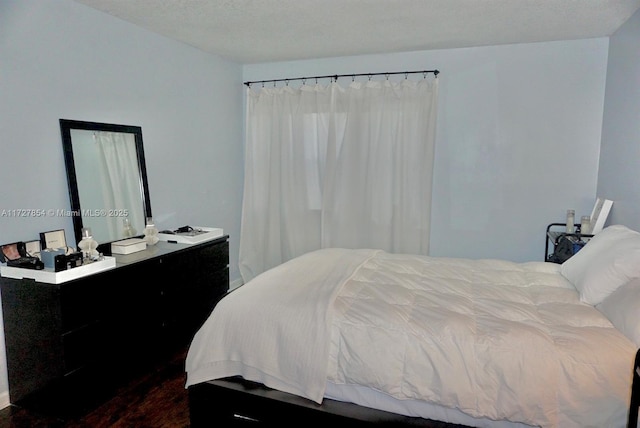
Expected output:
(107, 180)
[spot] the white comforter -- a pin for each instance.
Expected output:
(493, 339)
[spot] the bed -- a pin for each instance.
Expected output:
(369, 337)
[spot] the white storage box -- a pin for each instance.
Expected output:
(128, 246)
(199, 234)
(51, 277)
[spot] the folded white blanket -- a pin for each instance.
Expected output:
(275, 328)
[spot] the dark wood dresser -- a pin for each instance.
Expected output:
(72, 344)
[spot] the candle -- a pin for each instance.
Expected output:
(571, 220)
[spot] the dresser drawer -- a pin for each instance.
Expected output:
(82, 347)
(207, 258)
(215, 257)
(81, 302)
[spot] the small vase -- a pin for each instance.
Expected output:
(127, 230)
(88, 245)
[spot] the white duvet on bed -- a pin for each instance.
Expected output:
(493, 339)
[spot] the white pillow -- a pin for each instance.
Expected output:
(622, 307)
(610, 259)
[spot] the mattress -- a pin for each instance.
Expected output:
(479, 342)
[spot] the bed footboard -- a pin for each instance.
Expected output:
(634, 404)
(234, 402)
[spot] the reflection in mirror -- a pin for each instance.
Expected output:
(107, 179)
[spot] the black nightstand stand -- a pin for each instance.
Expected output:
(563, 244)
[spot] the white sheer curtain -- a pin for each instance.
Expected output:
(329, 166)
(119, 176)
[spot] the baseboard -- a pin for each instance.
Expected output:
(4, 399)
(235, 283)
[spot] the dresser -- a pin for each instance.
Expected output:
(72, 344)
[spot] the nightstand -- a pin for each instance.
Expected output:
(560, 245)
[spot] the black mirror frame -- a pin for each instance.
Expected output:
(66, 126)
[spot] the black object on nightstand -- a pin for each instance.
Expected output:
(563, 245)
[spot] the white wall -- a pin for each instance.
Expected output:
(60, 59)
(619, 176)
(517, 141)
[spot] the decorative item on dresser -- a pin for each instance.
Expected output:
(71, 344)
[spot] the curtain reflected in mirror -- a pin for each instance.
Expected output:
(107, 179)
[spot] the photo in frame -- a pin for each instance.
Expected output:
(32, 248)
(53, 239)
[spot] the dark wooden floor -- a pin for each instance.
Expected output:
(155, 399)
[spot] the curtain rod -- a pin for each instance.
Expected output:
(335, 77)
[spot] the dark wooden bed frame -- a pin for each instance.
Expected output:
(234, 402)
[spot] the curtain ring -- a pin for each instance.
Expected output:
(406, 76)
(353, 77)
(286, 82)
(304, 81)
(369, 77)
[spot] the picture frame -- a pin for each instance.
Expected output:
(32, 248)
(599, 214)
(53, 239)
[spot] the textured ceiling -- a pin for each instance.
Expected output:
(254, 31)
